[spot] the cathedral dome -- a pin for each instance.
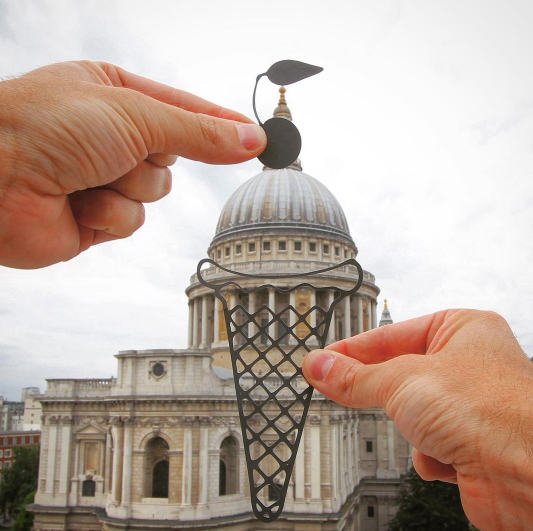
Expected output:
(285, 199)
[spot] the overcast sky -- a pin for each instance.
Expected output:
(421, 124)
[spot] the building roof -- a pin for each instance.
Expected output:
(285, 198)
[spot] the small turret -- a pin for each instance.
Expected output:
(386, 319)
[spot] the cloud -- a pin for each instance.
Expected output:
(425, 141)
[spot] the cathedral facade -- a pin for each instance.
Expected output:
(160, 446)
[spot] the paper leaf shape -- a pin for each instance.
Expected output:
(289, 71)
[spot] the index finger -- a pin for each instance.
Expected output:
(381, 344)
(172, 96)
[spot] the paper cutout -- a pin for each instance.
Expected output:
(284, 142)
(273, 397)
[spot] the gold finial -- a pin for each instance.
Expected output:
(282, 111)
(386, 307)
(282, 91)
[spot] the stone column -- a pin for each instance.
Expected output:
(350, 455)
(216, 321)
(331, 331)
(374, 316)
(191, 322)
(347, 324)
(391, 446)
(108, 465)
(64, 469)
(342, 483)
(252, 329)
(52, 449)
(127, 459)
(312, 302)
(186, 485)
(272, 306)
(204, 464)
(195, 324)
(116, 488)
(299, 481)
(316, 456)
(292, 319)
(360, 327)
(203, 343)
(381, 450)
(334, 460)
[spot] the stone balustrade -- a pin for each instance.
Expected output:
(283, 266)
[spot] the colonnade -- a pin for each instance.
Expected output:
(350, 312)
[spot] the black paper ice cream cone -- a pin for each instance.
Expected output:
(267, 346)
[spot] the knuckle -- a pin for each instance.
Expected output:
(210, 130)
(349, 382)
(167, 187)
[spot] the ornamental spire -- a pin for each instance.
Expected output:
(282, 111)
(386, 318)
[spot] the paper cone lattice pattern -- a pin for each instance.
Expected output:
(267, 348)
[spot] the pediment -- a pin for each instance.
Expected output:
(90, 429)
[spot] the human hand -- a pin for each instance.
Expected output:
(458, 387)
(83, 145)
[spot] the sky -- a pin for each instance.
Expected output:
(421, 124)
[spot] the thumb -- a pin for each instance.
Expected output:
(171, 130)
(349, 382)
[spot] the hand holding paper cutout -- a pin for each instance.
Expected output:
(458, 387)
(83, 145)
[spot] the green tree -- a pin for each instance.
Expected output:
(24, 519)
(427, 505)
(19, 480)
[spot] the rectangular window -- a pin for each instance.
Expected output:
(370, 511)
(266, 246)
(282, 245)
(345, 253)
(312, 247)
(369, 447)
(7, 453)
(337, 250)
(1, 453)
(238, 249)
(326, 248)
(297, 246)
(226, 252)
(251, 247)
(31, 438)
(0, 465)
(218, 254)
(7, 464)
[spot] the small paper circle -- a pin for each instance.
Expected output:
(283, 143)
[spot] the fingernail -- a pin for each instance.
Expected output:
(320, 363)
(251, 136)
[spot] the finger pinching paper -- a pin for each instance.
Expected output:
(267, 346)
(283, 138)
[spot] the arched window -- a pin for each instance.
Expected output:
(156, 468)
(228, 479)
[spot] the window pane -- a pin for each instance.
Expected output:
(297, 246)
